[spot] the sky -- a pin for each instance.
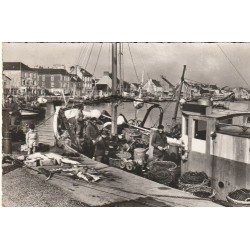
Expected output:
(224, 64)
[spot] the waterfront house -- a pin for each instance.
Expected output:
(104, 85)
(153, 86)
(134, 87)
(88, 82)
(75, 85)
(7, 90)
(23, 78)
(54, 80)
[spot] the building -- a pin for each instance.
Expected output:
(23, 78)
(75, 85)
(53, 80)
(134, 87)
(153, 86)
(88, 82)
(7, 90)
(104, 85)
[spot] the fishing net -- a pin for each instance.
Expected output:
(240, 196)
(201, 191)
(196, 183)
(163, 172)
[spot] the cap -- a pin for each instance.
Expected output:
(160, 127)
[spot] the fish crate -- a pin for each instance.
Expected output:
(113, 162)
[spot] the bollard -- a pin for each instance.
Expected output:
(7, 146)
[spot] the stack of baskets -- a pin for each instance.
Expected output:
(196, 183)
(164, 172)
(239, 197)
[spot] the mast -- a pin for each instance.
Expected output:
(114, 89)
(178, 96)
(120, 62)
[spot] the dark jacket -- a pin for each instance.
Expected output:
(100, 147)
(158, 140)
(13, 106)
(91, 131)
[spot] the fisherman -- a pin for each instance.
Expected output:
(100, 147)
(14, 112)
(32, 139)
(79, 122)
(91, 135)
(160, 144)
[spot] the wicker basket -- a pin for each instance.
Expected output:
(164, 172)
(202, 191)
(237, 202)
(193, 179)
(239, 197)
(186, 186)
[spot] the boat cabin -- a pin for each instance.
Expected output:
(218, 142)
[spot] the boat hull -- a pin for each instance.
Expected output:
(30, 113)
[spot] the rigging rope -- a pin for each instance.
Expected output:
(89, 55)
(109, 58)
(85, 55)
(233, 65)
(80, 54)
(133, 63)
(98, 58)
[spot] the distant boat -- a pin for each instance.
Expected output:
(42, 101)
(31, 111)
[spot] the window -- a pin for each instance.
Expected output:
(43, 77)
(52, 78)
(200, 129)
(25, 74)
(52, 84)
(43, 84)
(31, 75)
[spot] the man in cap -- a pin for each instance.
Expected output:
(101, 147)
(13, 110)
(159, 142)
(91, 134)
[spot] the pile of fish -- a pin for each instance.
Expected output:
(77, 171)
(67, 167)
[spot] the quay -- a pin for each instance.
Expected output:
(117, 188)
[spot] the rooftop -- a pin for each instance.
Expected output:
(16, 66)
(51, 71)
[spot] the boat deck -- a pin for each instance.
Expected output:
(120, 188)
